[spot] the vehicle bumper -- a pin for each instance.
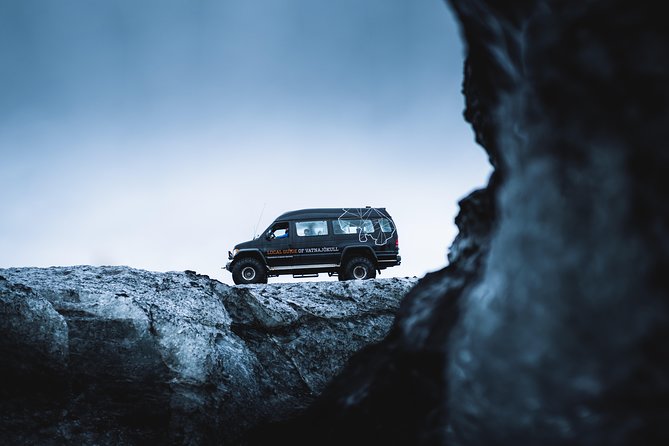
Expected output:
(388, 262)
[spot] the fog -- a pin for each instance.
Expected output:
(158, 134)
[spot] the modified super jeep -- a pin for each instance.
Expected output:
(351, 243)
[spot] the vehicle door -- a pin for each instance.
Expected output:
(278, 245)
(314, 243)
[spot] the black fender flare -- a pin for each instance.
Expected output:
(250, 252)
(368, 252)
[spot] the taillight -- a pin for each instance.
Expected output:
(397, 243)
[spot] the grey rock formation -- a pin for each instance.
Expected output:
(550, 324)
(119, 356)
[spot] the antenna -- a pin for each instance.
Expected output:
(255, 229)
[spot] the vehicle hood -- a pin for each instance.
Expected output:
(249, 244)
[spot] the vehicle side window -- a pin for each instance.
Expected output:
(385, 225)
(342, 226)
(311, 228)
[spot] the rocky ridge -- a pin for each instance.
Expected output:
(114, 355)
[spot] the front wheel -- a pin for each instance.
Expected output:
(248, 271)
(359, 268)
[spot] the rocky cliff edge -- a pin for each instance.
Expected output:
(114, 355)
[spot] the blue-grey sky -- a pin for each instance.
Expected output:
(159, 133)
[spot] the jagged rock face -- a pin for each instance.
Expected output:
(113, 355)
(562, 342)
(550, 324)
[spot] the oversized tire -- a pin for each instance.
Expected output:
(247, 271)
(359, 268)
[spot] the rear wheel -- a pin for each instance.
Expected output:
(359, 268)
(247, 271)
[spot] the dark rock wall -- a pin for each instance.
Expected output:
(549, 325)
(562, 341)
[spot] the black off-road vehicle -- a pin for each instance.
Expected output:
(351, 243)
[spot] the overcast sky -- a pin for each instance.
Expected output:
(159, 133)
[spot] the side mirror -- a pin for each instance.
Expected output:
(270, 236)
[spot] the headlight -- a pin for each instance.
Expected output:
(232, 254)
